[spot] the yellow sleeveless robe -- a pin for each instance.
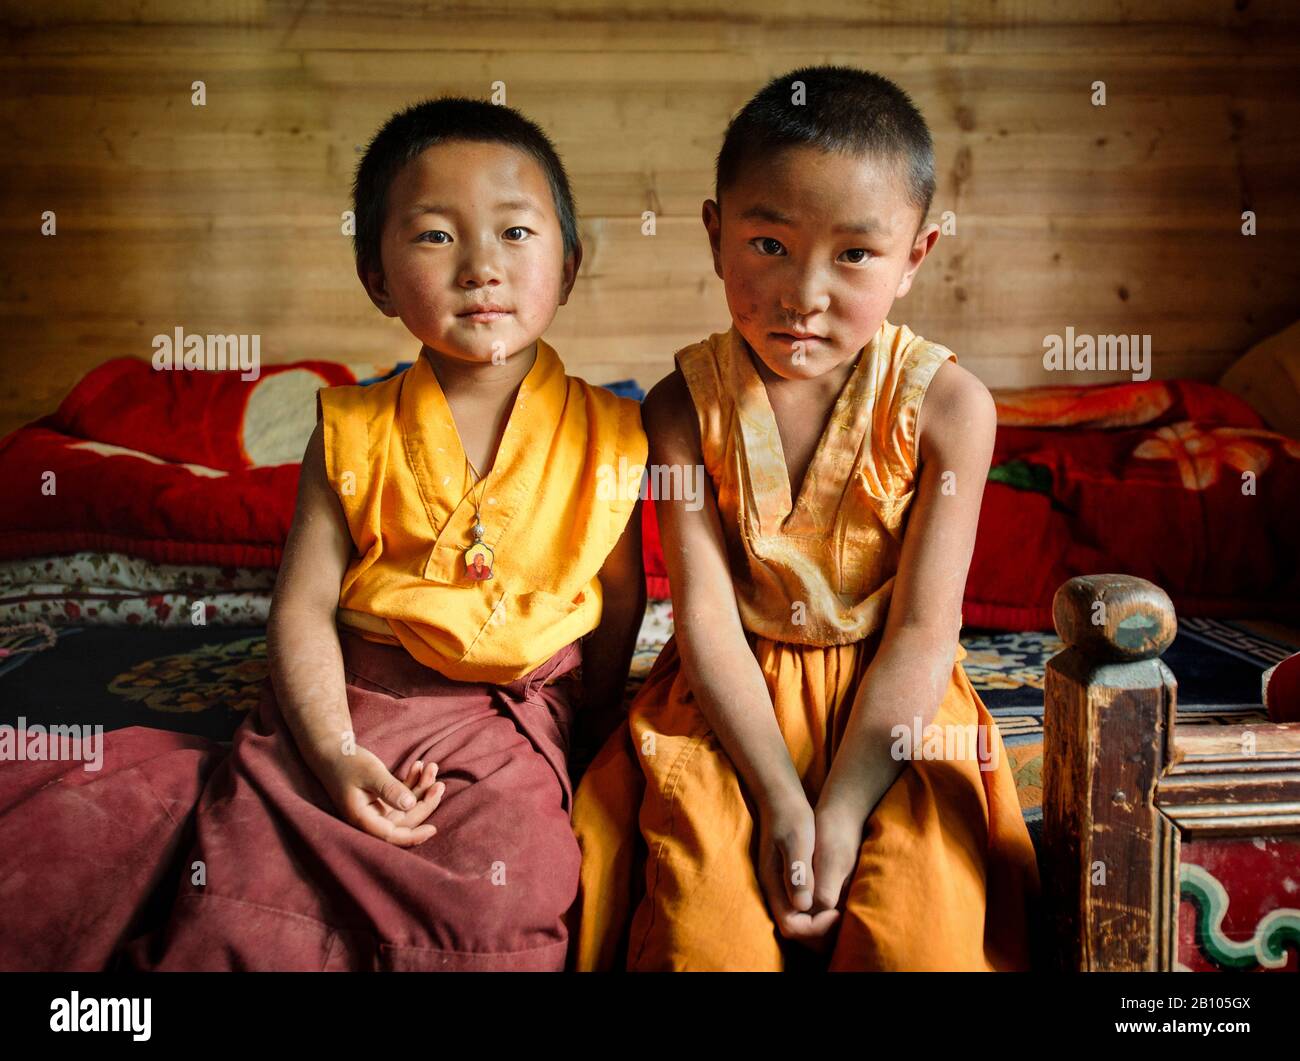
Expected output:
(394, 457)
(946, 867)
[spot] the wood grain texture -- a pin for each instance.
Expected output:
(1124, 787)
(1117, 219)
(1103, 750)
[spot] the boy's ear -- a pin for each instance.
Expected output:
(925, 240)
(712, 217)
(377, 288)
(572, 263)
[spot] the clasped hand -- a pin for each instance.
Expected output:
(806, 859)
(372, 799)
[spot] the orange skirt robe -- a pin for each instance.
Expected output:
(946, 871)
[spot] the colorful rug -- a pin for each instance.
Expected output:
(1218, 666)
(204, 680)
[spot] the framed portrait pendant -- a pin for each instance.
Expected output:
(478, 557)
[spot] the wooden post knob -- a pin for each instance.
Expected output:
(1114, 617)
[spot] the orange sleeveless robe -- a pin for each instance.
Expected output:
(946, 867)
(394, 458)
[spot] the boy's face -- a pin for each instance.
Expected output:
(813, 248)
(472, 227)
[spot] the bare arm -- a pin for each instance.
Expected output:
(307, 671)
(725, 677)
(302, 641)
(716, 657)
(912, 667)
(607, 652)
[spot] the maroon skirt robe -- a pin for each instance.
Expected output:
(86, 854)
(271, 877)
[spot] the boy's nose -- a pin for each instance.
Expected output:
(804, 303)
(479, 274)
(479, 267)
(806, 296)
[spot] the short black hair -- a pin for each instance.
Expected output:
(436, 121)
(843, 109)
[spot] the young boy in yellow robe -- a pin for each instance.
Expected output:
(401, 798)
(769, 761)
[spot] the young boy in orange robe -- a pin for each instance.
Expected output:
(769, 763)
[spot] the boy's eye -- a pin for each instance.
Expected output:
(517, 233)
(857, 255)
(435, 233)
(767, 246)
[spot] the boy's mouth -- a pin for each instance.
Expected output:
(797, 337)
(484, 314)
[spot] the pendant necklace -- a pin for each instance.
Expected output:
(478, 555)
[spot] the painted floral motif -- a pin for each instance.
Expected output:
(1118, 405)
(1008, 661)
(1202, 454)
(1027, 769)
(113, 589)
(656, 629)
(228, 675)
(1275, 932)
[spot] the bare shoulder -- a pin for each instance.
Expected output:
(668, 413)
(318, 546)
(958, 411)
(319, 511)
(313, 473)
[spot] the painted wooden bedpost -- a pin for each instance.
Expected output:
(1109, 713)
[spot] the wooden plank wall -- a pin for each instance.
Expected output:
(1124, 218)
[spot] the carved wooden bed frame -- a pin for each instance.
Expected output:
(1148, 826)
